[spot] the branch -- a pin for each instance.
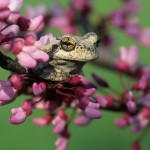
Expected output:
(107, 59)
(11, 65)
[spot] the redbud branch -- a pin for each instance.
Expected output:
(108, 59)
(11, 65)
(119, 107)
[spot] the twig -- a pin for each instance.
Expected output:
(11, 65)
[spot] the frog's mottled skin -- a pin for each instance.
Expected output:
(67, 54)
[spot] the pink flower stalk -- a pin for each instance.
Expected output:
(9, 89)
(128, 59)
(38, 88)
(43, 121)
(60, 121)
(20, 114)
(144, 37)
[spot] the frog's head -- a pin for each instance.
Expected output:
(77, 48)
(67, 54)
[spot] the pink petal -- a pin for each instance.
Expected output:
(82, 121)
(61, 143)
(13, 17)
(4, 13)
(18, 118)
(133, 55)
(15, 5)
(44, 40)
(26, 60)
(12, 29)
(4, 3)
(37, 89)
(90, 91)
(92, 113)
(35, 23)
(29, 49)
(7, 94)
(144, 37)
(59, 127)
(123, 54)
(40, 56)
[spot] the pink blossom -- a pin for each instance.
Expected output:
(129, 100)
(38, 88)
(123, 122)
(60, 121)
(92, 111)
(4, 13)
(128, 59)
(9, 89)
(118, 18)
(42, 121)
(13, 17)
(61, 143)
(4, 3)
(82, 119)
(45, 40)
(63, 23)
(15, 5)
(20, 114)
(133, 28)
(30, 24)
(28, 55)
(11, 31)
(35, 23)
(132, 6)
(82, 5)
(104, 102)
(144, 37)
(7, 92)
(135, 145)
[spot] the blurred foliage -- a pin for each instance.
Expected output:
(101, 134)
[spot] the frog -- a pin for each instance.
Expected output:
(67, 55)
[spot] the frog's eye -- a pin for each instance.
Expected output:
(67, 43)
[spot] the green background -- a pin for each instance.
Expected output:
(100, 134)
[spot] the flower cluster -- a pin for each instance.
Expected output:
(53, 99)
(25, 36)
(134, 99)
